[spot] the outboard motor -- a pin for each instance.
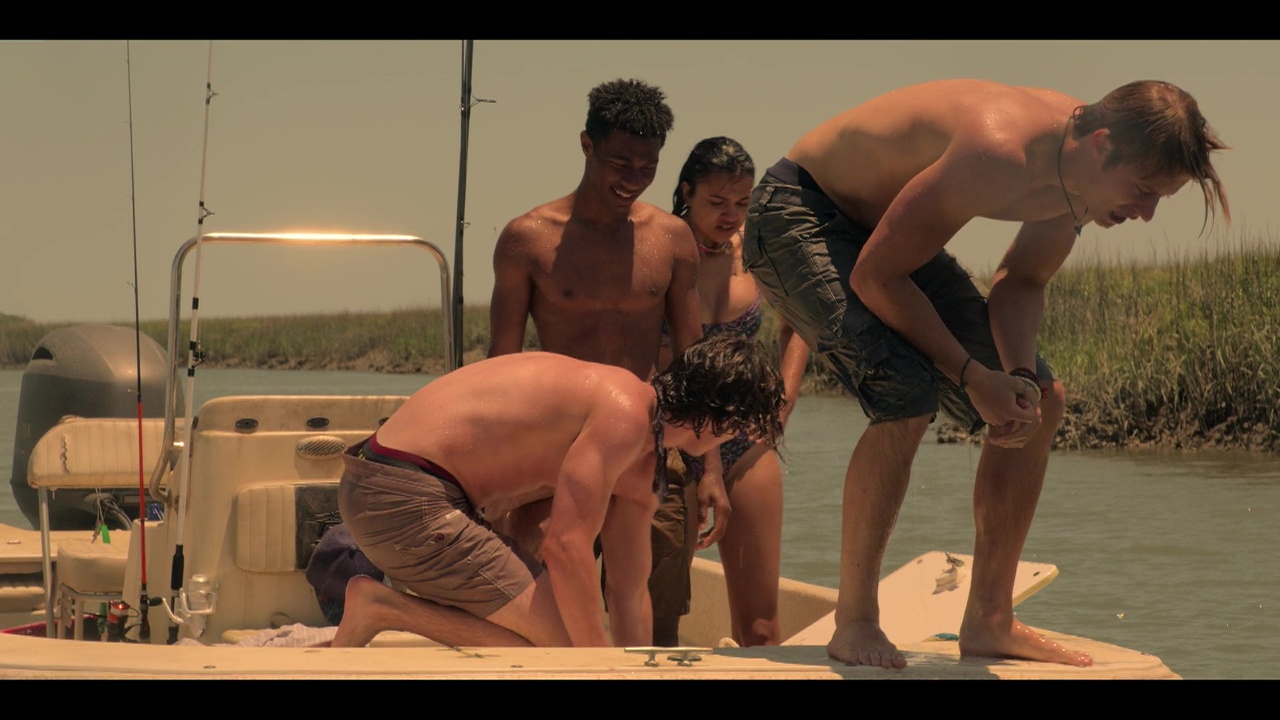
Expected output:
(89, 371)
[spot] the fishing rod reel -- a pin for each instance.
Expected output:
(198, 353)
(118, 621)
(196, 601)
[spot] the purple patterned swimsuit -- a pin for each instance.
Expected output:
(731, 450)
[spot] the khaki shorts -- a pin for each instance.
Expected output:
(424, 533)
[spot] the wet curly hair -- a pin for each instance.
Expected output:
(632, 106)
(727, 382)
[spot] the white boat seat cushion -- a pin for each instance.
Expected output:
(93, 567)
(278, 524)
(91, 453)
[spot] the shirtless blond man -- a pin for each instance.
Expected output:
(599, 271)
(594, 435)
(846, 236)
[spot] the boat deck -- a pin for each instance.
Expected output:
(20, 547)
(924, 598)
(27, 657)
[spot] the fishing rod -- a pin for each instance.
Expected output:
(144, 625)
(468, 101)
(195, 356)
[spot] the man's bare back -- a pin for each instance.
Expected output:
(488, 428)
(864, 157)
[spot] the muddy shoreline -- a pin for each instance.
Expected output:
(1087, 428)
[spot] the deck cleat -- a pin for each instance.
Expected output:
(682, 656)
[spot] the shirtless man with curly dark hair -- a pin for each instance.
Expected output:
(593, 434)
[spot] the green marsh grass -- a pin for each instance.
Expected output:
(1177, 352)
(1180, 352)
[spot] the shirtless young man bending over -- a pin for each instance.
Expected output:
(598, 271)
(846, 237)
(594, 435)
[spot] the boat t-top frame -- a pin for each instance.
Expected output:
(171, 446)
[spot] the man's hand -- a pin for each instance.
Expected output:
(1014, 434)
(1010, 405)
(712, 498)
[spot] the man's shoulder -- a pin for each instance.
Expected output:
(618, 385)
(537, 225)
(618, 401)
(1003, 126)
(555, 212)
(648, 212)
(998, 147)
(655, 220)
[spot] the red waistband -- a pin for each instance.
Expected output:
(426, 465)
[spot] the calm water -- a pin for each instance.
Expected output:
(1172, 554)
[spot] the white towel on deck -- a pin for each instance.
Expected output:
(295, 635)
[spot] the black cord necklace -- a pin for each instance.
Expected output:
(1061, 145)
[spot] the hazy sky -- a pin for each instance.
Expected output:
(365, 136)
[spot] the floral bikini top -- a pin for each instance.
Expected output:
(747, 324)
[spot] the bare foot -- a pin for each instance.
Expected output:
(864, 643)
(978, 638)
(361, 619)
(372, 607)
